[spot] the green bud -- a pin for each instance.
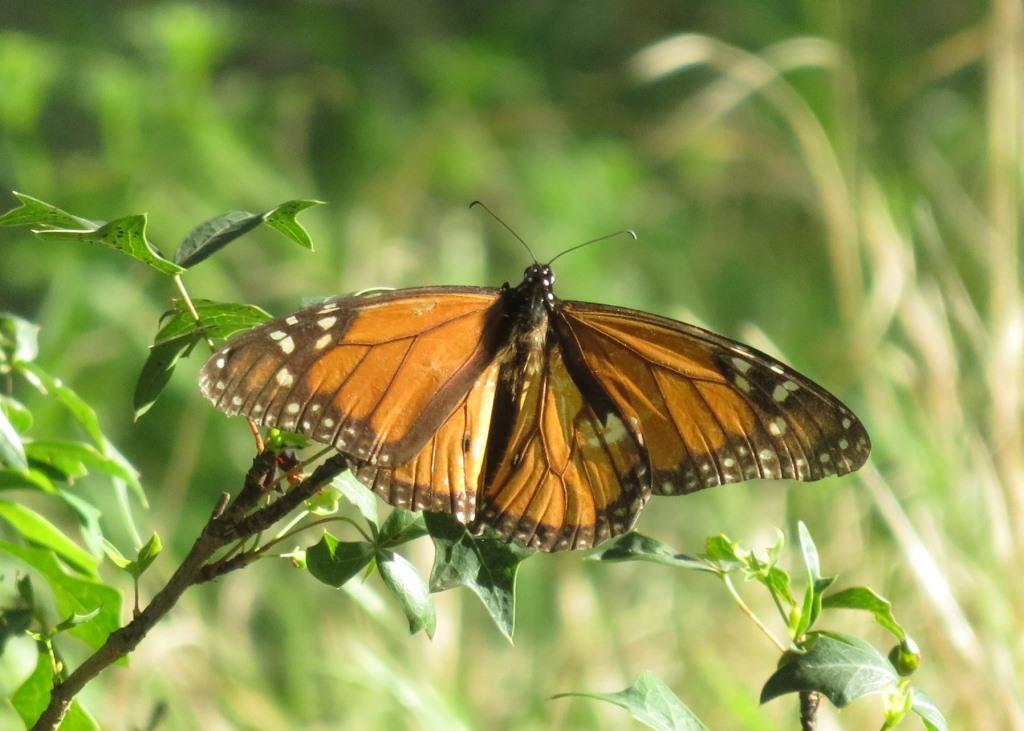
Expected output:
(905, 657)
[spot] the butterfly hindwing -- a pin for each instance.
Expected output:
(710, 410)
(375, 376)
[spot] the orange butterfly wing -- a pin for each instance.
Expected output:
(710, 410)
(375, 376)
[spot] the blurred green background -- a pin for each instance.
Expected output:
(838, 183)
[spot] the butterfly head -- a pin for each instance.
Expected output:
(537, 282)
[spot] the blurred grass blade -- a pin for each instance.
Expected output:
(650, 702)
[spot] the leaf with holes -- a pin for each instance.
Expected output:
(34, 212)
(635, 546)
(650, 702)
(73, 594)
(405, 582)
(213, 235)
(334, 562)
(841, 667)
(127, 235)
(486, 566)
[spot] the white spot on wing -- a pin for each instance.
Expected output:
(220, 363)
(323, 342)
(287, 345)
(284, 377)
(278, 335)
(741, 365)
(326, 323)
(780, 394)
(293, 407)
(292, 320)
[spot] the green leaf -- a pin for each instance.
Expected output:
(148, 554)
(127, 235)
(115, 555)
(88, 516)
(216, 320)
(405, 582)
(210, 236)
(19, 337)
(12, 452)
(17, 413)
(635, 546)
(334, 562)
(31, 478)
(816, 583)
(359, 495)
(34, 212)
(484, 565)
(74, 594)
(725, 552)
(925, 707)
(74, 620)
(31, 698)
(283, 219)
(841, 667)
(864, 598)
(652, 703)
(76, 459)
(157, 370)
(401, 526)
(37, 530)
(17, 662)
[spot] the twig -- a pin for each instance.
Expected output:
(809, 710)
(749, 612)
(228, 522)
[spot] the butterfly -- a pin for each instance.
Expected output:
(550, 421)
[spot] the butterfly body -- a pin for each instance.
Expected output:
(550, 421)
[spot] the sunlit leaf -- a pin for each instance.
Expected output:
(76, 458)
(12, 452)
(37, 530)
(924, 706)
(816, 583)
(17, 413)
(841, 667)
(75, 619)
(334, 562)
(635, 546)
(405, 582)
(359, 495)
(127, 235)
(216, 320)
(19, 337)
(484, 565)
(73, 594)
(31, 478)
(864, 598)
(31, 698)
(652, 703)
(210, 236)
(34, 212)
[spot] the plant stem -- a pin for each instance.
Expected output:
(809, 710)
(226, 525)
(747, 611)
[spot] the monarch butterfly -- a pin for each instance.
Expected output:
(551, 421)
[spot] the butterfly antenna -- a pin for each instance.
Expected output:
(626, 231)
(507, 227)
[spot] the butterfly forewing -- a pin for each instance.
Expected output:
(374, 376)
(710, 410)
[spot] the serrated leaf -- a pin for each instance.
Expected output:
(37, 530)
(216, 320)
(283, 219)
(17, 413)
(210, 236)
(864, 598)
(157, 371)
(405, 582)
(924, 706)
(12, 451)
(635, 546)
(19, 337)
(31, 698)
(34, 212)
(841, 667)
(484, 565)
(127, 235)
(334, 562)
(359, 495)
(73, 594)
(652, 703)
(401, 526)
